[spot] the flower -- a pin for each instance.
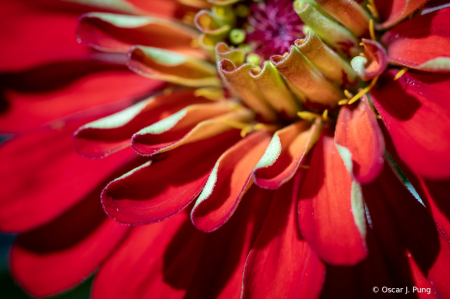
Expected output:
(292, 208)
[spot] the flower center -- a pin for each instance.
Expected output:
(274, 26)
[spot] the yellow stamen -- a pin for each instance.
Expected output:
(244, 127)
(195, 43)
(246, 130)
(167, 91)
(188, 18)
(304, 166)
(400, 73)
(306, 115)
(325, 114)
(361, 44)
(373, 9)
(363, 92)
(234, 124)
(348, 94)
(378, 116)
(209, 93)
(343, 102)
(372, 30)
(362, 55)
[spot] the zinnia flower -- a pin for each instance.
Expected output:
(269, 166)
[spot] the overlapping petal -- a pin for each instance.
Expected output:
(113, 133)
(172, 67)
(416, 112)
(130, 199)
(42, 177)
(228, 182)
(393, 12)
(357, 130)
(189, 125)
(118, 33)
(285, 153)
(281, 264)
(331, 212)
(422, 42)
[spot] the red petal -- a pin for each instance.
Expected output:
(416, 112)
(43, 176)
(98, 141)
(285, 154)
(228, 182)
(171, 259)
(281, 264)
(105, 32)
(156, 191)
(326, 212)
(37, 33)
(420, 40)
(358, 131)
(60, 254)
(164, 8)
(38, 96)
(192, 124)
(155, 261)
(402, 225)
(394, 11)
(227, 249)
(434, 194)
(378, 57)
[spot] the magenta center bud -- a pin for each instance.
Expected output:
(276, 27)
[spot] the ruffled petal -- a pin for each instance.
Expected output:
(358, 131)
(129, 199)
(281, 264)
(35, 97)
(241, 83)
(326, 60)
(187, 126)
(331, 212)
(348, 13)
(421, 43)
(43, 176)
(60, 254)
(285, 153)
(305, 77)
(172, 67)
(393, 12)
(228, 182)
(118, 33)
(416, 112)
(113, 133)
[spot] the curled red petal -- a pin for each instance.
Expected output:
(285, 153)
(281, 264)
(327, 215)
(118, 33)
(228, 182)
(358, 131)
(161, 188)
(416, 112)
(113, 133)
(378, 63)
(392, 12)
(421, 42)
